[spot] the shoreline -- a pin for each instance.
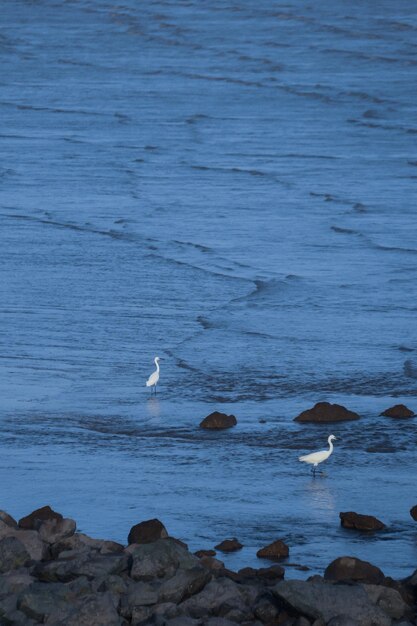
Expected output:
(52, 574)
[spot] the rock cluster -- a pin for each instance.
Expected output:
(50, 574)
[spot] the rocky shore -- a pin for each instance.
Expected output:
(50, 574)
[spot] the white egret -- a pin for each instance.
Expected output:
(154, 377)
(318, 457)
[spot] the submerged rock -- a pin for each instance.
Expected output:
(357, 521)
(324, 412)
(399, 411)
(147, 532)
(218, 421)
(229, 545)
(350, 568)
(275, 550)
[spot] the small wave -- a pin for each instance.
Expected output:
(347, 231)
(410, 369)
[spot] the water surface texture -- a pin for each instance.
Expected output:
(229, 185)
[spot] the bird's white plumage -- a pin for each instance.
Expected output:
(318, 457)
(154, 377)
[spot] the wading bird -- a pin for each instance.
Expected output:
(153, 378)
(318, 457)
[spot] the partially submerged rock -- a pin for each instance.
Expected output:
(218, 421)
(275, 550)
(229, 545)
(399, 411)
(347, 568)
(201, 553)
(147, 532)
(413, 512)
(324, 413)
(357, 521)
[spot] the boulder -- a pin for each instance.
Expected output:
(13, 554)
(91, 610)
(39, 600)
(8, 519)
(218, 421)
(201, 553)
(183, 584)
(84, 564)
(147, 532)
(273, 573)
(343, 620)
(80, 542)
(14, 582)
(210, 562)
(34, 519)
(399, 411)
(159, 559)
(324, 412)
(389, 600)
(30, 538)
(229, 545)
(54, 530)
(275, 550)
(350, 568)
(141, 594)
(413, 512)
(325, 601)
(357, 521)
(220, 595)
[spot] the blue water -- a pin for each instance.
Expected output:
(231, 186)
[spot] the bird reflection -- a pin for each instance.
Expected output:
(320, 495)
(153, 406)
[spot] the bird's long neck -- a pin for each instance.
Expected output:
(330, 446)
(157, 365)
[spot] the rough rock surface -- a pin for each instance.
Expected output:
(357, 521)
(147, 532)
(275, 550)
(324, 412)
(347, 568)
(229, 545)
(218, 421)
(399, 411)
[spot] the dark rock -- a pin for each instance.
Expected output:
(183, 620)
(413, 512)
(30, 539)
(34, 519)
(275, 550)
(92, 610)
(343, 620)
(40, 600)
(147, 532)
(141, 594)
(13, 554)
(399, 411)
(14, 582)
(389, 600)
(201, 553)
(220, 595)
(54, 530)
(84, 564)
(183, 584)
(273, 573)
(159, 559)
(212, 563)
(324, 412)
(17, 618)
(325, 601)
(350, 568)
(218, 421)
(8, 519)
(83, 543)
(266, 610)
(349, 519)
(229, 545)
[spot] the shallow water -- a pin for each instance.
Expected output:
(231, 187)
